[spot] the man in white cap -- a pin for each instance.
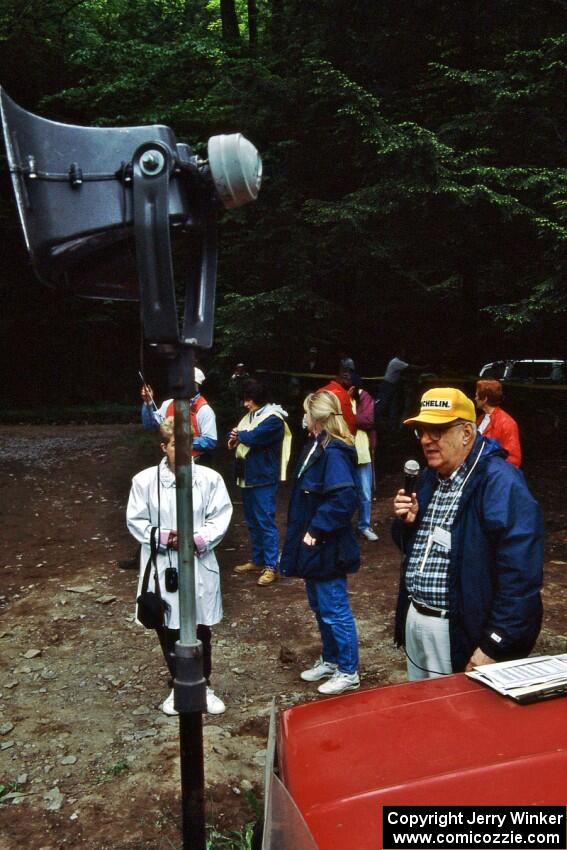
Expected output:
(472, 539)
(203, 420)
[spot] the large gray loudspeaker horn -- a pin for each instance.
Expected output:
(98, 206)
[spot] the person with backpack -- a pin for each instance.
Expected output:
(203, 420)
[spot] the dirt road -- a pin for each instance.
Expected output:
(87, 760)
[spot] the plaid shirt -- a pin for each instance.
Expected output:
(428, 564)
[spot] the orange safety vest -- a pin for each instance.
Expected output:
(193, 410)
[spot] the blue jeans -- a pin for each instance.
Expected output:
(364, 487)
(259, 505)
(329, 602)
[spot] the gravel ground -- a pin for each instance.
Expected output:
(86, 757)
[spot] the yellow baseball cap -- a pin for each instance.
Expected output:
(443, 405)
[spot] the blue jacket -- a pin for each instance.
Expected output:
(262, 464)
(323, 500)
(496, 563)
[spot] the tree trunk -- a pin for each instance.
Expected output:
(252, 25)
(275, 24)
(229, 21)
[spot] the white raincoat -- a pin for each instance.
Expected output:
(212, 510)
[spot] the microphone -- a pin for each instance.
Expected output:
(411, 471)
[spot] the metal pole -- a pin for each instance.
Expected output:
(189, 685)
(184, 495)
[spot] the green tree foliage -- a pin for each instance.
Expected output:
(415, 179)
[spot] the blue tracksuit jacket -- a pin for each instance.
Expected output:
(262, 464)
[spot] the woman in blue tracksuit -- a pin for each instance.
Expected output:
(258, 441)
(320, 545)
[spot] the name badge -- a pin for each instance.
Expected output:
(442, 537)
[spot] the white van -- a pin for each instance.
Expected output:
(527, 371)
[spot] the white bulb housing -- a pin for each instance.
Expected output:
(236, 169)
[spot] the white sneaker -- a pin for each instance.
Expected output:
(369, 534)
(319, 670)
(167, 706)
(339, 683)
(214, 704)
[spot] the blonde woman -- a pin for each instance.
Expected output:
(320, 545)
(152, 504)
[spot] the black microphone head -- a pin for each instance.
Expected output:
(411, 467)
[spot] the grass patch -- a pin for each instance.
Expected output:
(237, 839)
(240, 839)
(111, 772)
(7, 789)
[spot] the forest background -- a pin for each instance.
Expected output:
(415, 182)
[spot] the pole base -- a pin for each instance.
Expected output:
(190, 687)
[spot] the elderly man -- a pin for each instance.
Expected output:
(472, 538)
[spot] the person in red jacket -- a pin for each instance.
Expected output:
(340, 387)
(495, 422)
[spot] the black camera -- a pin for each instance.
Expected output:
(171, 579)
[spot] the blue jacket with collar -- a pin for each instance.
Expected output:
(496, 562)
(322, 502)
(262, 464)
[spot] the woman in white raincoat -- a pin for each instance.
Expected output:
(212, 510)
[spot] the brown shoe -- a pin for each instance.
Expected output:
(248, 567)
(267, 577)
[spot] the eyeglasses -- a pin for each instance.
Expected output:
(434, 432)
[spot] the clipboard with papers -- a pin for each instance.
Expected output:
(526, 679)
